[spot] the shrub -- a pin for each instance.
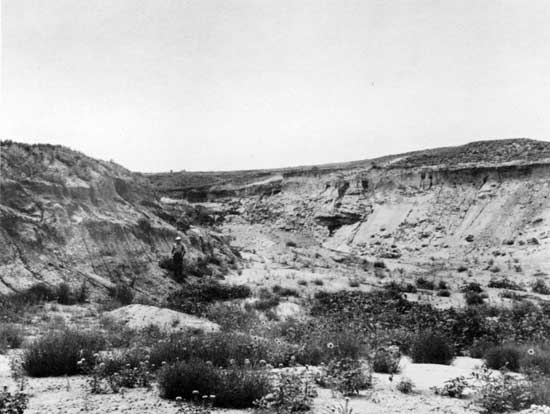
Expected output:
(444, 293)
(224, 349)
(385, 363)
(264, 304)
(536, 359)
(347, 376)
(405, 385)
(66, 296)
(431, 348)
(502, 392)
(473, 298)
(504, 283)
(11, 336)
(453, 388)
(504, 356)
(540, 286)
(233, 388)
(442, 285)
(472, 287)
(109, 373)
(318, 282)
(13, 403)
(194, 298)
(292, 392)
(354, 283)
(122, 293)
(423, 283)
(281, 291)
(379, 264)
(58, 352)
(393, 286)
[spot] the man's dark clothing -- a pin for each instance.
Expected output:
(178, 252)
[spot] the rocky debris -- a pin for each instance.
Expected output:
(139, 317)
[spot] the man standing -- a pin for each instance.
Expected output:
(178, 252)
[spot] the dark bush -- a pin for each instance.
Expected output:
(379, 264)
(504, 356)
(67, 296)
(122, 293)
(11, 336)
(431, 348)
(264, 304)
(504, 283)
(472, 287)
(195, 297)
(444, 293)
(232, 388)
(423, 283)
(535, 358)
(541, 287)
(224, 349)
(473, 298)
(384, 363)
(442, 285)
(281, 291)
(400, 287)
(58, 352)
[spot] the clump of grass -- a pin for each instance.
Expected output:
(431, 348)
(58, 352)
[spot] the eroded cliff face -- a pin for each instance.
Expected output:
(67, 217)
(486, 201)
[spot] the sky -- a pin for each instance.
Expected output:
(160, 85)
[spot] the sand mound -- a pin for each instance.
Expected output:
(142, 316)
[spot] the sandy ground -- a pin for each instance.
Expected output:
(68, 395)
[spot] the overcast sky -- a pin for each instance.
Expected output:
(236, 84)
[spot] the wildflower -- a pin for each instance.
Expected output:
(212, 396)
(247, 361)
(195, 392)
(330, 345)
(209, 363)
(204, 397)
(531, 352)
(178, 399)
